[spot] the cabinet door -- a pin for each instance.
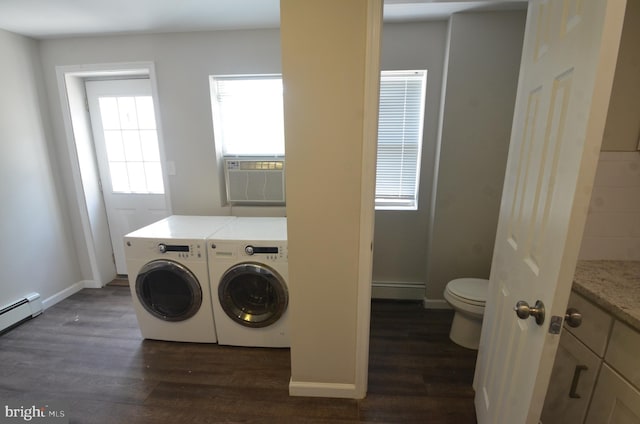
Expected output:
(615, 401)
(622, 353)
(572, 380)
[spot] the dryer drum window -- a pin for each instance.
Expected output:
(168, 290)
(253, 295)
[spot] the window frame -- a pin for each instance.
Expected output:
(218, 120)
(403, 202)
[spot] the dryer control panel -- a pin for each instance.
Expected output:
(260, 250)
(180, 250)
(271, 252)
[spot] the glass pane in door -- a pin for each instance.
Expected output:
(131, 139)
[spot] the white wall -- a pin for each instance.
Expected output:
(400, 245)
(481, 83)
(37, 252)
(99, 265)
(612, 230)
(331, 79)
(183, 63)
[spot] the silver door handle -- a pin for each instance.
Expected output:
(524, 311)
(573, 317)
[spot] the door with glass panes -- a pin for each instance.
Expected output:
(128, 155)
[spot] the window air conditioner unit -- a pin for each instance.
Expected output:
(254, 181)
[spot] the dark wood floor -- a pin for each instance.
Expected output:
(87, 352)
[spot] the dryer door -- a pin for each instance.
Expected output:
(168, 290)
(253, 295)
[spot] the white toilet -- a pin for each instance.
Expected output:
(467, 296)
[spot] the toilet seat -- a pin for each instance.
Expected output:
(472, 291)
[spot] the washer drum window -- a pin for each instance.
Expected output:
(253, 295)
(168, 290)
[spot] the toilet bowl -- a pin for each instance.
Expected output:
(467, 296)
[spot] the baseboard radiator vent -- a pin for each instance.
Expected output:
(20, 311)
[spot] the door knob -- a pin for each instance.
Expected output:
(524, 311)
(573, 317)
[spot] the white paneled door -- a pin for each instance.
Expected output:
(569, 55)
(128, 154)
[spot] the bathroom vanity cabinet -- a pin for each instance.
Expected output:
(577, 365)
(596, 375)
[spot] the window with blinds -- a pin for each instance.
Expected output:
(400, 126)
(248, 115)
(248, 121)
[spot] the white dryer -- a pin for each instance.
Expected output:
(169, 278)
(248, 275)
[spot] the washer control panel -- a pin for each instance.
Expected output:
(163, 248)
(172, 249)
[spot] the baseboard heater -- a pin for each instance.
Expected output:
(20, 311)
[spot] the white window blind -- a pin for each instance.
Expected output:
(400, 127)
(248, 115)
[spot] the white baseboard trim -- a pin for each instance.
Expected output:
(397, 290)
(435, 304)
(63, 294)
(93, 284)
(328, 390)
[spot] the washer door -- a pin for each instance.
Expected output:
(253, 295)
(168, 290)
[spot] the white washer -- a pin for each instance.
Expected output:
(169, 278)
(248, 275)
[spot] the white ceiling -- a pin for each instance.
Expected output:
(64, 18)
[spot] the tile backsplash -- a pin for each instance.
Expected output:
(612, 230)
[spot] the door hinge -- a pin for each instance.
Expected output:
(113, 257)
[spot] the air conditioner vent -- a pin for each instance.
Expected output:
(257, 181)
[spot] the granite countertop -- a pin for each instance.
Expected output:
(612, 285)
